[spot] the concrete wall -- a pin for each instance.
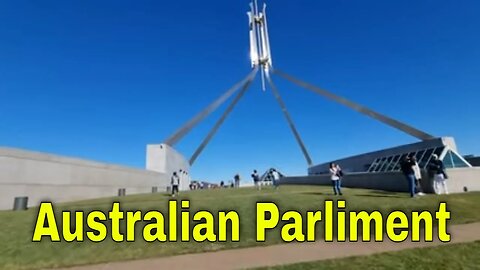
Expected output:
(459, 178)
(164, 159)
(382, 181)
(54, 178)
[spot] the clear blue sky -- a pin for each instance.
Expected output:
(101, 79)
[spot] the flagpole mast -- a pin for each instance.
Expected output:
(259, 41)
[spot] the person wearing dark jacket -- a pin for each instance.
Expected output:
(407, 169)
(236, 180)
(256, 180)
(437, 169)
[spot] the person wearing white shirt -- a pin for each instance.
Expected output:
(335, 177)
(175, 181)
(256, 180)
(418, 176)
(276, 178)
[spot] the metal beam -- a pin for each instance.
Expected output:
(359, 108)
(220, 122)
(188, 126)
(289, 120)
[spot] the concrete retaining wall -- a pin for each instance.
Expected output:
(459, 179)
(464, 178)
(54, 178)
(381, 181)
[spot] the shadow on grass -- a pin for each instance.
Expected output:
(381, 196)
(316, 193)
(378, 194)
(376, 191)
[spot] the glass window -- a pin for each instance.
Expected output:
(380, 164)
(385, 164)
(457, 161)
(419, 155)
(374, 164)
(398, 165)
(426, 158)
(438, 151)
(451, 160)
(447, 160)
(392, 164)
(366, 167)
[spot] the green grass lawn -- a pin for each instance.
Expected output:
(457, 256)
(18, 252)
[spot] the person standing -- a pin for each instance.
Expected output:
(186, 177)
(418, 177)
(407, 169)
(339, 172)
(236, 178)
(335, 179)
(256, 180)
(437, 169)
(175, 181)
(181, 176)
(275, 178)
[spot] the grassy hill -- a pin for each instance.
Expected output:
(19, 252)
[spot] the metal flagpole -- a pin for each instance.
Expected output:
(289, 120)
(359, 108)
(181, 132)
(220, 121)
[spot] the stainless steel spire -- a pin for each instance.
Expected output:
(260, 55)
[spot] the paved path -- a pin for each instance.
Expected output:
(282, 254)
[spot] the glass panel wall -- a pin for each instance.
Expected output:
(452, 160)
(392, 164)
(426, 158)
(423, 156)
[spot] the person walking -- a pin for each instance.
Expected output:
(418, 177)
(437, 169)
(336, 182)
(407, 169)
(256, 180)
(175, 181)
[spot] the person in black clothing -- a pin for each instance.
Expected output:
(407, 169)
(256, 180)
(236, 178)
(437, 170)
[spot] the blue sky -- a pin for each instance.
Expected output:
(101, 79)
